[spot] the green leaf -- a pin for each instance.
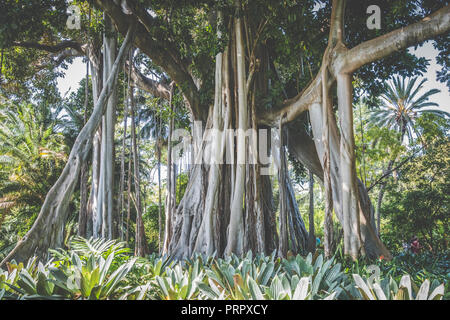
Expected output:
(437, 293)
(208, 291)
(362, 287)
(301, 291)
(254, 289)
(43, 286)
(423, 291)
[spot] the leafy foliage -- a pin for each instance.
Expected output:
(401, 105)
(102, 269)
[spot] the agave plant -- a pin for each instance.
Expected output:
(91, 278)
(28, 282)
(406, 290)
(326, 275)
(295, 289)
(229, 278)
(179, 283)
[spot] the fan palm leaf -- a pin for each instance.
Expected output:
(402, 102)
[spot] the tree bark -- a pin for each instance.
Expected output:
(106, 185)
(350, 210)
(121, 200)
(328, 192)
(235, 235)
(312, 233)
(83, 213)
(283, 221)
(130, 174)
(97, 85)
(158, 147)
(170, 197)
(293, 236)
(202, 222)
(140, 242)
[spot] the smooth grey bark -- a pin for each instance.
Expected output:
(312, 233)
(97, 85)
(283, 220)
(350, 205)
(235, 235)
(106, 185)
(48, 229)
(121, 199)
(130, 161)
(328, 192)
(158, 147)
(140, 242)
(170, 196)
(83, 212)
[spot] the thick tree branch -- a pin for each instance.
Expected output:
(337, 22)
(292, 108)
(156, 88)
(60, 51)
(436, 24)
(160, 54)
(55, 48)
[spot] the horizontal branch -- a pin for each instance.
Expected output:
(351, 60)
(156, 88)
(369, 51)
(55, 48)
(159, 52)
(294, 107)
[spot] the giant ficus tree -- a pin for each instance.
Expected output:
(263, 65)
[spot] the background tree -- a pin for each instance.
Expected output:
(401, 104)
(418, 203)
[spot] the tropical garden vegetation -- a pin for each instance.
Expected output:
(224, 150)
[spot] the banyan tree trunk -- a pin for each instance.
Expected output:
(83, 213)
(312, 234)
(310, 152)
(171, 180)
(228, 206)
(140, 242)
(293, 234)
(97, 85)
(108, 222)
(48, 229)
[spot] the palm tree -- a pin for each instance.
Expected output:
(32, 155)
(401, 104)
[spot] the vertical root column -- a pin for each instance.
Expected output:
(350, 203)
